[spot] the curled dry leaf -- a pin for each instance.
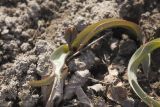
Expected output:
(117, 93)
(46, 90)
(58, 59)
(78, 79)
(82, 97)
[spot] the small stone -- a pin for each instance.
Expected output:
(110, 79)
(25, 47)
(21, 67)
(41, 47)
(25, 34)
(22, 5)
(18, 29)
(114, 44)
(43, 65)
(125, 37)
(5, 31)
(10, 21)
(1, 42)
(127, 48)
(32, 69)
(112, 70)
(33, 58)
(78, 79)
(34, 9)
(97, 87)
(86, 60)
(13, 44)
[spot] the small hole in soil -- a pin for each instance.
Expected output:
(99, 71)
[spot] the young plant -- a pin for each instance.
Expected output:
(82, 39)
(139, 57)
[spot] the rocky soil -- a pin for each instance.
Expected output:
(31, 29)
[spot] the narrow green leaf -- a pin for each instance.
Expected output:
(137, 58)
(146, 62)
(58, 59)
(92, 30)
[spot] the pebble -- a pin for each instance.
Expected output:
(5, 31)
(40, 46)
(127, 48)
(25, 47)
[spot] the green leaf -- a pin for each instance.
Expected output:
(137, 58)
(92, 30)
(58, 59)
(146, 63)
